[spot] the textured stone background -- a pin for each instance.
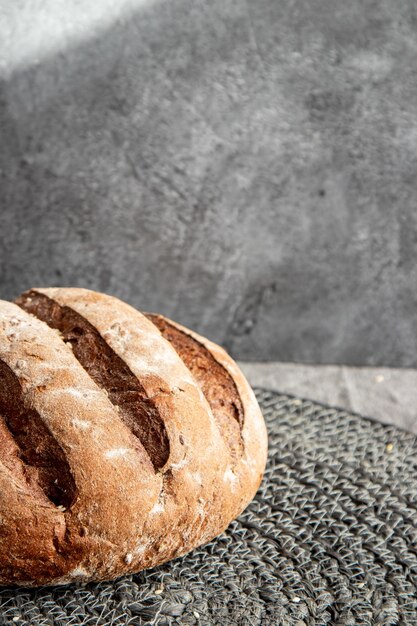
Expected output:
(247, 168)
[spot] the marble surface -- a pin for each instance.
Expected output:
(386, 394)
(247, 168)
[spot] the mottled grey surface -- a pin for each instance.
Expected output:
(248, 168)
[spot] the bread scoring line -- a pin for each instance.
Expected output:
(90, 340)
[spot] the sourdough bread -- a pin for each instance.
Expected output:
(125, 439)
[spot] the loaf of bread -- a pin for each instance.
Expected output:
(125, 439)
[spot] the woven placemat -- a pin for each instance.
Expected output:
(331, 538)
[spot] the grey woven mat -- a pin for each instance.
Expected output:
(331, 538)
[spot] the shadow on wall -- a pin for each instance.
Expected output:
(247, 169)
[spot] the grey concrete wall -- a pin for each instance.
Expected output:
(247, 168)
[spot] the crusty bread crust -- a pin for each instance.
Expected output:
(124, 512)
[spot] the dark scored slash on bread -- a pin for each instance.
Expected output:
(25, 437)
(107, 370)
(214, 380)
(129, 438)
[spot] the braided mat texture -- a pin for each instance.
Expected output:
(331, 538)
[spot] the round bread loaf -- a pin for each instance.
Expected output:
(125, 439)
